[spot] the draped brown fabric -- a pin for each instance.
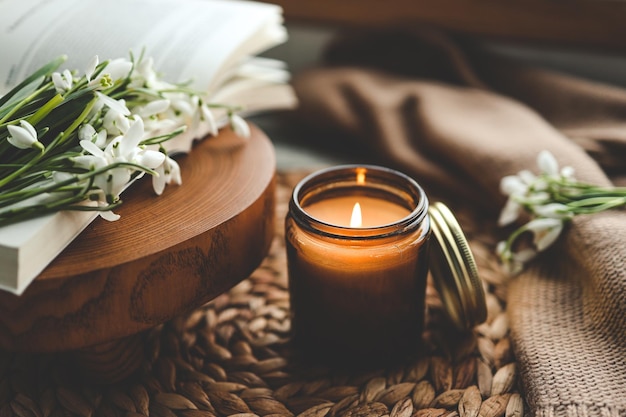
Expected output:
(459, 119)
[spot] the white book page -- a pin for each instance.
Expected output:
(190, 40)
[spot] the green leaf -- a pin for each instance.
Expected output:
(29, 84)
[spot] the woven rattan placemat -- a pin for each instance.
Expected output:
(233, 357)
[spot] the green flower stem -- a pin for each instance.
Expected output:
(156, 140)
(7, 199)
(61, 139)
(30, 212)
(24, 168)
(597, 204)
(510, 241)
(231, 109)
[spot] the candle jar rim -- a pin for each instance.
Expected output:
(377, 179)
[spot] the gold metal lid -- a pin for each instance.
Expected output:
(454, 270)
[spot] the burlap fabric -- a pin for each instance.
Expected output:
(458, 120)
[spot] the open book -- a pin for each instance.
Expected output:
(211, 43)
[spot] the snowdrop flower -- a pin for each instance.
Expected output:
(91, 67)
(551, 199)
(545, 231)
(126, 148)
(240, 126)
(203, 120)
(168, 172)
(121, 149)
(116, 123)
(101, 202)
(24, 136)
(145, 75)
(513, 185)
(182, 105)
(567, 173)
(115, 119)
(118, 69)
(118, 106)
(87, 132)
(153, 108)
(553, 211)
(107, 215)
(510, 212)
(513, 262)
(62, 81)
(113, 139)
(547, 163)
(115, 70)
(206, 115)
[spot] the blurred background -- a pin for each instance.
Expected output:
(583, 38)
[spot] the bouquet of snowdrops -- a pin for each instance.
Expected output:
(551, 199)
(74, 142)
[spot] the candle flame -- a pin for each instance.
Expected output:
(356, 220)
(360, 176)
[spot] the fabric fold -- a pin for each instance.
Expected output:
(461, 133)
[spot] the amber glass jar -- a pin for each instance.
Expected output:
(357, 291)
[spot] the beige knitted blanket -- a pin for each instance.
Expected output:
(458, 120)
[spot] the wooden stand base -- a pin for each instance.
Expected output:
(165, 256)
(111, 361)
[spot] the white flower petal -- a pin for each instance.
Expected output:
(58, 82)
(101, 139)
(567, 172)
(513, 185)
(538, 225)
(154, 107)
(30, 128)
(91, 147)
(510, 212)
(91, 67)
(119, 178)
(240, 126)
(115, 105)
(553, 210)
(547, 163)
(22, 137)
(524, 255)
(132, 137)
(69, 78)
(184, 106)
(58, 176)
(151, 159)
(209, 119)
(536, 198)
(158, 181)
(545, 231)
(83, 161)
(116, 123)
(118, 68)
(174, 171)
(109, 215)
(86, 132)
(527, 177)
(501, 248)
(540, 184)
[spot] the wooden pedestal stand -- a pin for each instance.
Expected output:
(165, 256)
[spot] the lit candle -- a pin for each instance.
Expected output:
(357, 286)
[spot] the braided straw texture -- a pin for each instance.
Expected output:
(232, 357)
